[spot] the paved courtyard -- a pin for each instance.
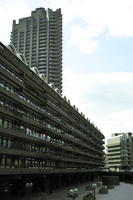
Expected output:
(123, 191)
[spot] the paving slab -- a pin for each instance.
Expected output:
(123, 191)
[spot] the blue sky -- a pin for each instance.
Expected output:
(97, 56)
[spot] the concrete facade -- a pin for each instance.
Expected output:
(120, 151)
(43, 139)
(39, 39)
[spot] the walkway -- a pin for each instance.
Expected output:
(124, 191)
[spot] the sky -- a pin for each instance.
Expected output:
(97, 56)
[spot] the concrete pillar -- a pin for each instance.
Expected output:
(46, 184)
(58, 181)
(78, 178)
(69, 180)
(84, 178)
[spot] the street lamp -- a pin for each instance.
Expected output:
(73, 193)
(28, 189)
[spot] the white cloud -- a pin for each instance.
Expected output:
(117, 122)
(10, 10)
(83, 37)
(105, 98)
(114, 16)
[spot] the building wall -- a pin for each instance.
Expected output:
(120, 151)
(40, 132)
(39, 38)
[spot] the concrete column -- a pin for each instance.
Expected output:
(59, 185)
(69, 180)
(46, 184)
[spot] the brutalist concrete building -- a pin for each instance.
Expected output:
(39, 38)
(43, 139)
(120, 151)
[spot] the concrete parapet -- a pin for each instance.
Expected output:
(89, 187)
(89, 196)
(110, 180)
(99, 184)
(103, 190)
(110, 186)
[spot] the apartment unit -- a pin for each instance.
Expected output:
(120, 151)
(39, 39)
(41, 134)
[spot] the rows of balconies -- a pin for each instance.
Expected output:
(115, 149)
(29, 121)
(110, 157)
(47, 170)
(38, 155)
(6, 56)
(13, 80)
(114, 164)
(38, 125)
(114, 153)
(117, 162)
(71, 120)
(46, 156)
(21, 135)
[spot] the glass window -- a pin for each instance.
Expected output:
(0, 122)
(4, 142)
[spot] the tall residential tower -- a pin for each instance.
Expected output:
(39, 38)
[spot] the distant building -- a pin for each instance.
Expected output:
(43, 138)
(39, 38)
(120, 151)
